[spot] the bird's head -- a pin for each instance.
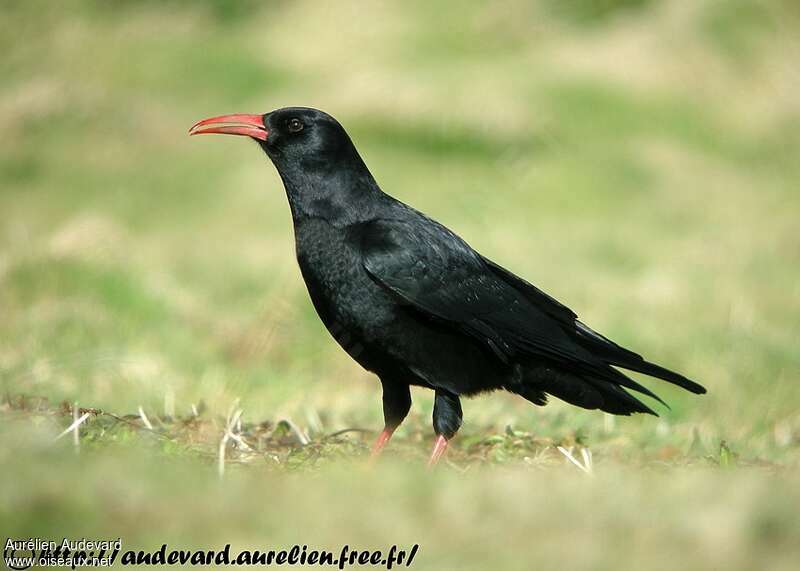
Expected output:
(293, 137)
(320, 167)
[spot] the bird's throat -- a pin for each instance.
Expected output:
(337, 197)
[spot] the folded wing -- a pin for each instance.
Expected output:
(428, 267)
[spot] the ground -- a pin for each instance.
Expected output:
(636, 159)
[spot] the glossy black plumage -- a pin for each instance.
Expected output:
(412, 302)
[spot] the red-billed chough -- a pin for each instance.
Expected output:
(412, 302)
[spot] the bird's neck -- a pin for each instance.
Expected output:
(342, 196)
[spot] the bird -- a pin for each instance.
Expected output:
(415, 304)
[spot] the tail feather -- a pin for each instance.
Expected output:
(614, 354)
(595, 393)
(577, 388)
(617, 400)
(621, 379)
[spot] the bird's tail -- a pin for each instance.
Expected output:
(579, 389)
(597, 384)
(614, 354)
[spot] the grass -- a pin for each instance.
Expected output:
(635, 159)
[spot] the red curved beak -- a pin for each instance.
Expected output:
(236, 124)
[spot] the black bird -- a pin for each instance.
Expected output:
(412, 302)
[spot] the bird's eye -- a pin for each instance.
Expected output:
(294, 125)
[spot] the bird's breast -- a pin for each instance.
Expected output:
(349, 303)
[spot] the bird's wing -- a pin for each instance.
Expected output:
(599, 345)
(427, 266)
(548, 304)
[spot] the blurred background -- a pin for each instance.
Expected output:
(637, 159)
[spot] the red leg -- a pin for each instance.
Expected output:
(438, 451)
(381, 441)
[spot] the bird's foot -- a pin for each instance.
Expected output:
(438, 451)
(380, 442)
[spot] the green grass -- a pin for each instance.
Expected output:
(638, 160)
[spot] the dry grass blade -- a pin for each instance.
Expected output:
(75, 426)
(232, 422)
(586, 466)
(76, 436)
(144, 418)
